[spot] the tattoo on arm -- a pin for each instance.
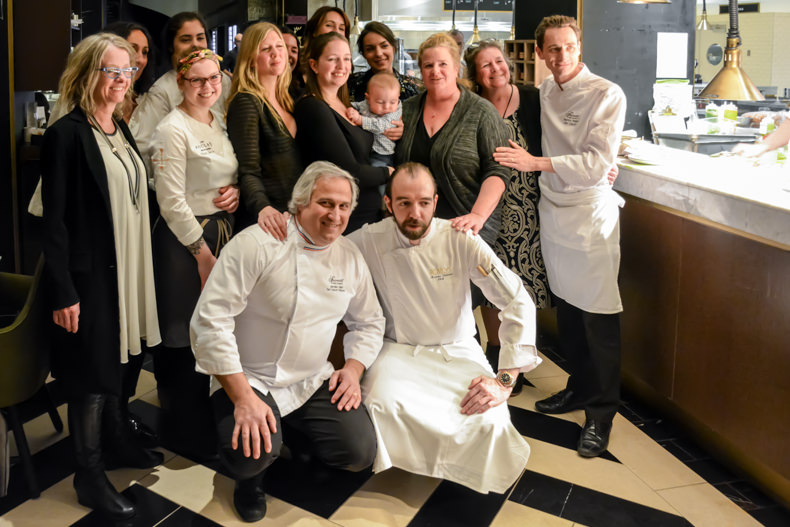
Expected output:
(194, 248)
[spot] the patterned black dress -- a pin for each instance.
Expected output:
(518, 244)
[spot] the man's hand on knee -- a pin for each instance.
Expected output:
(345, 383)
(254, 420)
(484, 393)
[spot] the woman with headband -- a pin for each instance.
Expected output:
(195, 174)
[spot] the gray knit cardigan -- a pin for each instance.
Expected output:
(462, 155)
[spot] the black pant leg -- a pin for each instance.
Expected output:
(603, 341)
(239, 466)
(573, 346)
(340, 439)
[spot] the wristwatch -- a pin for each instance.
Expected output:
(505, 379)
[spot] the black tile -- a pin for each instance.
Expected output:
(774, 516)
(312, 486)
(50, 465)
(658, 429)
(754, 495)
(629, 414)
(553, 355)
(183, 517)
(549, 429)
(151, 509)
(711, 471)
(691, 447)
(587, 506)
(541, 492)
(452, 504)
(736, 497)
(672, 446)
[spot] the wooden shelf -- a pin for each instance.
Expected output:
(528, 68)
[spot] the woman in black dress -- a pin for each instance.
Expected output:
(325, 134)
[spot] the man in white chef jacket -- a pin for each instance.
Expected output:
(438, 408)
(263, 328)
(582, 117)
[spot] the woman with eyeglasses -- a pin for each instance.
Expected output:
(98, 262)
(140, 40)
(195, 180)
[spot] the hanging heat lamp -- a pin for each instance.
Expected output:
(355, 29)
(475, 33)
(453, 14)
(732, 83)
(513, 22)
(703, 21)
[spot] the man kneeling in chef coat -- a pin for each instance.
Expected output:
(582, 117)
(263, 328)
(437, 406)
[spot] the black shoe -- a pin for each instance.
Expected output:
(519, 385)
(96, 492)
(145, 435)
(559, 403)
(249, 499)
(121, 447)
(594, 438)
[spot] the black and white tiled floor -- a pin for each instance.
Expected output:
(651, 476)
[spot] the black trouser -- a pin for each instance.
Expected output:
(590, 342)
(338, 438)
(186, 421)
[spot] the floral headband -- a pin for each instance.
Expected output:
(196, 56)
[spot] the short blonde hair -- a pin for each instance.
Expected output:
(384, 79)
(82, 74)
(440, 40)
(245, 75)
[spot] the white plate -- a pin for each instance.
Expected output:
(643, 159)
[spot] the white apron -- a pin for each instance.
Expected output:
(580, 240)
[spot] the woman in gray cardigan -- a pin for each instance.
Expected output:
(455, 132)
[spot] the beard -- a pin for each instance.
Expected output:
(417, 229)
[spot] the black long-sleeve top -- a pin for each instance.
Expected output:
(323, 135)
(269, 162)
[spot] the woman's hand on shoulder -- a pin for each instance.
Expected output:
(396, 132)
(471, 221)
(274, 222)
(68, 318)
(228, 199)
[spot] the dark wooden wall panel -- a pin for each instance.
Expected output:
(649, 284)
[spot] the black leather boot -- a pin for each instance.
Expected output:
(121, 447)
(93, 488)
(249, 499)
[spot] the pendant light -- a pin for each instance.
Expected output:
(355, 29)
(475, 32)
(513, 23)
(703, 21)
(732, 83)
(453, 14)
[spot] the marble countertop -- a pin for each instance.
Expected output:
(730, 191)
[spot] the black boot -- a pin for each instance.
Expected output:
(93, 488)
(492, 354)
(121, 448)
(249, 499)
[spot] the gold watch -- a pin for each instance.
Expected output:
(505, 379)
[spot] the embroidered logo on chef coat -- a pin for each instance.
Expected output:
(440, 273)
(160, 159)
(204, 147)
(571, 119)
(336, 285)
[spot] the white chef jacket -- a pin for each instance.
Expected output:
(270, 309)
(159, 101)
(191, 161)
(425, 292)
(582, 122)
(414, 388)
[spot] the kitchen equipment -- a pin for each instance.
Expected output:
(703, 143)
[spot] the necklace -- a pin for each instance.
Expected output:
(512, 89)
(134, 183)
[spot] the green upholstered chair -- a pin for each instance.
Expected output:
(24, 361)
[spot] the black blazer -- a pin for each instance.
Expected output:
(79, 252)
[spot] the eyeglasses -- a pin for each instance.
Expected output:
(114, 73)
(197, 82)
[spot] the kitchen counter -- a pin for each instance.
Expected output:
(705, 282)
